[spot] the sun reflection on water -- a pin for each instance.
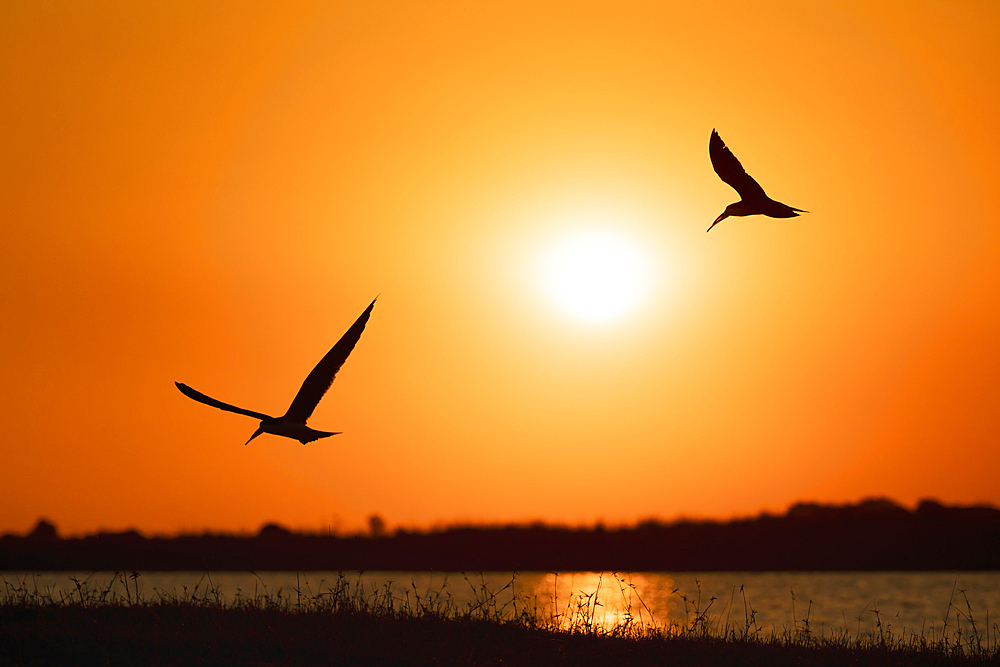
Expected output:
(851, 603)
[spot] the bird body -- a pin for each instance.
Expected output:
(290, 429)
(753, 199)
(292, 424)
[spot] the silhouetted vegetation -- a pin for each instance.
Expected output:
(346, 623)
(871, 535)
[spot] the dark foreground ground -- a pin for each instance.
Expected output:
(186, 634)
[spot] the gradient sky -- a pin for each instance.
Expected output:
(213, 192)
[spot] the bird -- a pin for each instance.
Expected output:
(292, 424)
(753, 200)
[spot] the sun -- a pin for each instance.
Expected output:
(597, 276)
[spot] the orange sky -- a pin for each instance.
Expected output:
(214, 194)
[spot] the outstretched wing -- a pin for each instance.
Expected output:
(208, 400)
(731, 171)
(321, 377)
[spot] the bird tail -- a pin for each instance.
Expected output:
(785, 212)
(316, 435)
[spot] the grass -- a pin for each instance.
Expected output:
(346, 623)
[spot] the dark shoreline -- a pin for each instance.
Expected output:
(181, 635)
(873, 535)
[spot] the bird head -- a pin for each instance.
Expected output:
(725, 214)
(260, 429)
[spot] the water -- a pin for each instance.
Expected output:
(926, 604)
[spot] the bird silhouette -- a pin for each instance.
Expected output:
(753, 200)
(293, 423)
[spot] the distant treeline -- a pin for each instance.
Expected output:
(874, 534)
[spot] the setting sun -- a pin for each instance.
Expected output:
(597, 276)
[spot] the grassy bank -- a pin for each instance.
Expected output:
(345, 624)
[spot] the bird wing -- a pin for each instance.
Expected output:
(731, 171)
(208, 400)
(321, 377)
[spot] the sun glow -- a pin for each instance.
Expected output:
(597, 276)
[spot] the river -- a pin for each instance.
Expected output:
(927, 604)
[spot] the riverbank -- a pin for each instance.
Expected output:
(183, 635)
(348, 625)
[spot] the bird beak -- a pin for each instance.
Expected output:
(717, 221)
(255, 434)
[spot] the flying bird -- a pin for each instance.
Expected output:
(293, 423)
(753, 200)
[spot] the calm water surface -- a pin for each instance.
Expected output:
(924, 603)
